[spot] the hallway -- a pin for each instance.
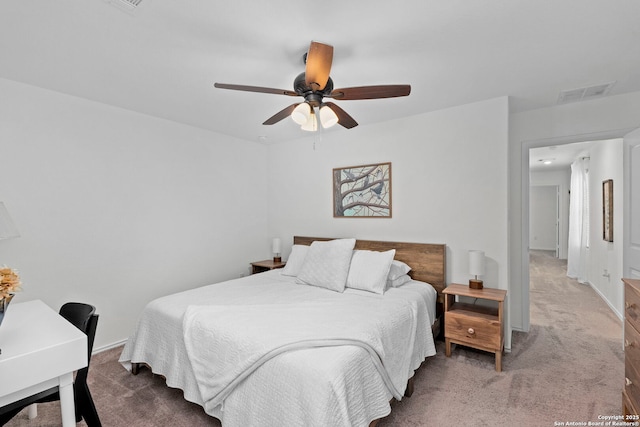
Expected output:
(560, 301)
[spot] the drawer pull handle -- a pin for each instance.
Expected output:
(471, 331)
(628, 343)
(628, 382)
(628, 305)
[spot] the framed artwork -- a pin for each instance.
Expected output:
(362, 191)
(607, 210)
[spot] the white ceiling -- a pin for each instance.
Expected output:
(561, 156)
(163, 58)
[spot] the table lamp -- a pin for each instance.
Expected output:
(276, 249)
(476, 268)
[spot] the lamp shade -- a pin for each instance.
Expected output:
(301, 113)
(476, 263)
(328, 117)
(7, 229)
(276, 245)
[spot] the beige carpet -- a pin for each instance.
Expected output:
(568, 368)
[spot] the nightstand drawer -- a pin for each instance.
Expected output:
(479, 331)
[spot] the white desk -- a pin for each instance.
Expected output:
(40, 350)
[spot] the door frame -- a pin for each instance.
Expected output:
(524, 191)
(630, 258)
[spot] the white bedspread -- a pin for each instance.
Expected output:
(337, 385)
(240, 339)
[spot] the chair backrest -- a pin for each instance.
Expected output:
(78, 314)
(82, 316)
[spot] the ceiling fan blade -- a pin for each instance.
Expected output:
(344, 119)
(319, 59)
(256, 89)
(281, 114)
(370, 92)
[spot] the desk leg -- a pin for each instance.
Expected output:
(32, 410)
(67, 406)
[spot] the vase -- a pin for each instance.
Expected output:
(4, 305)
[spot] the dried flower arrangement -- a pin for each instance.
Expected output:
(9, 282)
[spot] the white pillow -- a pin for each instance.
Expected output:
(398, 268)
(369, 270)
(294, 263)
(327, 264)
(396, 283)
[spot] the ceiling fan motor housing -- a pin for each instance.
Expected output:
(314, 98)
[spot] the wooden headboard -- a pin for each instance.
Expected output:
(427, 260)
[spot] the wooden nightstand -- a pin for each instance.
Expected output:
(266, 265)
(474, 325)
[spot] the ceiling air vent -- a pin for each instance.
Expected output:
(585, 93)
(126, 5)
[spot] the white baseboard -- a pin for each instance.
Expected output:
(601, 295)
(108, 346)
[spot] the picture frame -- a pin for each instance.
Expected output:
(607, 210)
(362, 191)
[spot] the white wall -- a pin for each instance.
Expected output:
(116, 208)
(449, 184)
(561, 179)
(598, 119)
(606, 257)
(543, 217)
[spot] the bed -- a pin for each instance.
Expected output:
(271, 349)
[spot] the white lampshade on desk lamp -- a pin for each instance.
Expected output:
(476, 268)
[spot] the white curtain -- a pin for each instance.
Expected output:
(578, 221)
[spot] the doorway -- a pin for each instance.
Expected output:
(544, 218)
(599, 271)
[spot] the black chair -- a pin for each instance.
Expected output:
(83, 317)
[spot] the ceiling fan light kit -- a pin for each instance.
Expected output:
(328, 117)
(301, 113)
(314, 85)
(311, 125)
(306, 116)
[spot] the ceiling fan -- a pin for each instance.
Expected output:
(314, 85)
